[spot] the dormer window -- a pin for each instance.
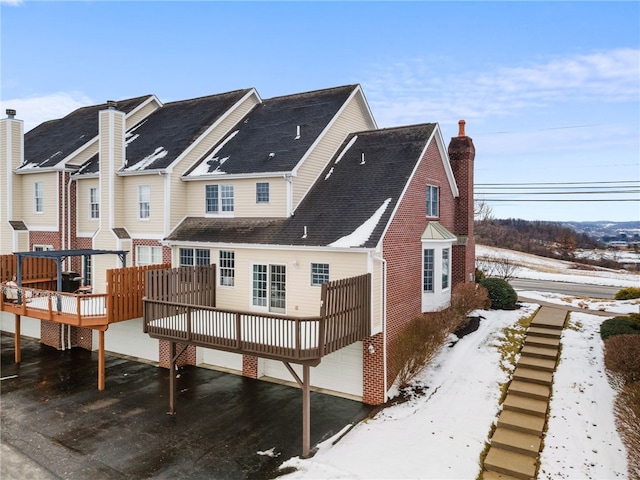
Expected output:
(433, 194)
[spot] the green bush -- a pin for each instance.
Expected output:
(501, 294)
(628, 293)
(620, 326)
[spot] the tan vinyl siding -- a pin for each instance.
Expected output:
(302, 298)
(144, 112)
(352, 119)
(16, 144)
(83, 210)
(84, 155)
(49, 216)
(120, 203)
(155, 223)
(244, 197)
(181, 205)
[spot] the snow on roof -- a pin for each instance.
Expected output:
(211, 164)
(158, 153)
(361, 234)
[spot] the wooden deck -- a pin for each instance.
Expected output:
(180, 307)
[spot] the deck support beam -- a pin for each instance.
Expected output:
(16, 340)
(101, 360)
(305, 385)
(173, 359)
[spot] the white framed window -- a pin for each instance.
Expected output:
(144, 199)
(194, 256)
(227, 263)
(94, 203)
(38, 197)
(319, 273)
(433, 194)
(427, 269)
(148, 255)
(262, 192)
(446, 268)
(259, 296)
(42, 248)
(219, 199)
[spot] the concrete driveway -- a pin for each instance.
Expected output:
(56, 424)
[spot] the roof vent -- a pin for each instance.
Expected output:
(297, 132)
(111, 105)
(361, 158)
(11, 113)
(271, 155)
(304, 232)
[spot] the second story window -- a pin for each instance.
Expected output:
(262, 192)
(432, 200)
(38, 198)
(144, 207)
(218, 198)
(94, 203)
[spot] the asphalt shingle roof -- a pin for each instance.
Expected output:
(351, 196)
(50, 142)
(271, 128)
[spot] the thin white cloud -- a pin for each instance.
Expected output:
(37, 109)
(11, 2)
(410, 92)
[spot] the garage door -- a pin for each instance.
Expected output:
(127, 338)
(340, 371)
(219, 358)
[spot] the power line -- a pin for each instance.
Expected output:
(561, 200)
(559, 183)
(561, 193)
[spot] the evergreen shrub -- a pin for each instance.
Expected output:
(628, 293)
(626, 325)
(501, 294)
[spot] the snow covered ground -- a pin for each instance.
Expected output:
(441, 434)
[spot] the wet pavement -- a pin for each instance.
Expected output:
(56, 424)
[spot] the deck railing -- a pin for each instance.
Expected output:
(36, 272)
(69, 308)
(180, 307)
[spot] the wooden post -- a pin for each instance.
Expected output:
(306, 412)
(16, 340)
(172, 378)
(101, 360)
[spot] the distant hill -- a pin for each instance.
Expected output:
(607, 232)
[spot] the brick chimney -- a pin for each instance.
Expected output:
(462, 154)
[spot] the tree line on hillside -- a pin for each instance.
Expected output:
(547, 239)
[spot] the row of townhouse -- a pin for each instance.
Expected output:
(282, 194)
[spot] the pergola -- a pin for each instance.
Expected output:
(60, 255)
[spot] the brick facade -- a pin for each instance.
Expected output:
(187, 357)
(250, 366)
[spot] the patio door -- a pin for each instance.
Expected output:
(270, 287)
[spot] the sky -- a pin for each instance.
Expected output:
(550, 91)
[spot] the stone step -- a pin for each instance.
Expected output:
(530, 390)
(521, 422)
(532, 406)
(545, 332)
(539, 352)
(534, 363)
(549, 317)
(518, 442)
(534, 376)
(487, 475)
(538, 341)
(515, 464)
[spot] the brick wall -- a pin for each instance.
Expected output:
(82, 337)
(50, 334)
(402, 249)
(188, 357)
(250, 366)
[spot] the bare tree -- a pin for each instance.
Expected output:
(499, 267)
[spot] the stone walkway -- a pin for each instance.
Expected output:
(516, 442)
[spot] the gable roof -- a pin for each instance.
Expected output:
(349, 206)
(51, 142)
(267, 139)
(158, 140)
